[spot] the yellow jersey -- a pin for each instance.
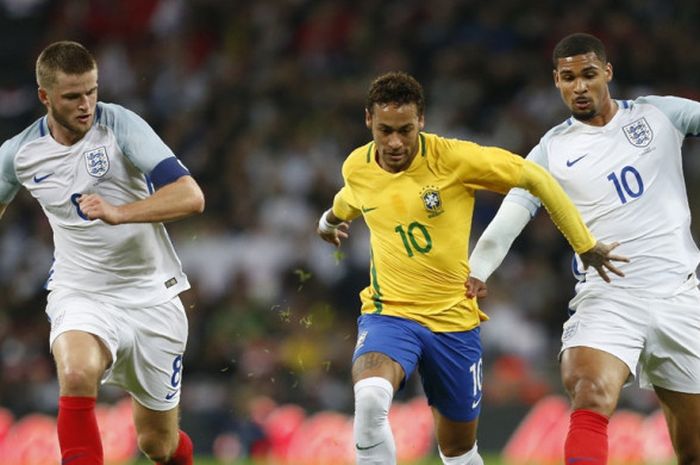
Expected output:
(420, 220)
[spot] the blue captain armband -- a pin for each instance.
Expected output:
(167, 171)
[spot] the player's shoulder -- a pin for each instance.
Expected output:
(446, 150)
(436, 144)
(562, 129)
(654, 100)
(667, 104)
(681, 113)
(31, 133)
(360, 158)
(112, 114)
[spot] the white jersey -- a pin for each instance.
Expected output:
(626, 179)
(119, 158)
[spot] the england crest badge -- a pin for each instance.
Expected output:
(639, 133)
(431, 200)
(97, 162)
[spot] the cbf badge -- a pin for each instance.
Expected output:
(97, 162)
(639, 133)
(431, 201)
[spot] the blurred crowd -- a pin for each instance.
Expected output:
(262, 101)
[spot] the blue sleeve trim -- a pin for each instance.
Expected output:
(167, 171)
(149, 184)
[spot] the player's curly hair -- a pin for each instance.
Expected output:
(396, 87)
(66, 56)
(579, 43)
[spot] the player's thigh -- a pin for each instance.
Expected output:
(671, 358)
(602, 343)
(454, 437)
(151, 366)
(81, 360)
(387, 347)
(593, 378)
(83, 338)
(452, 372)
(682, 411)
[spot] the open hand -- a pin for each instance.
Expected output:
(335, 236)
(599, 257)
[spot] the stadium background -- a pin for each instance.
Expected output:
(262, 101)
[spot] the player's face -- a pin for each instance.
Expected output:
(395, 132)
(70, 103)
(583, 81)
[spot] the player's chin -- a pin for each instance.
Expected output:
(584, 115)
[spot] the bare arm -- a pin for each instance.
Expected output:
(174, 201)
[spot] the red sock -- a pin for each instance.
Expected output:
(78, 433)
(183, 454)
(587, 441)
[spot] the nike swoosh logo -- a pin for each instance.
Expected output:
(170, 395)
(571, 163)
(368, 209)
(359, 447)
(71, 458)
(476, 402)
(38, 179)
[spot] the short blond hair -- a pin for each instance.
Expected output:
(66, 56)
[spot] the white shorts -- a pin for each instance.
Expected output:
(657, 338)
(147, 344)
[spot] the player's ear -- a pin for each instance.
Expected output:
(43, 96)
(608, 72)
(368, 119)
(555, 76)
(421, 122)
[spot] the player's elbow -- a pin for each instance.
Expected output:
(197, 202)
(193, 202)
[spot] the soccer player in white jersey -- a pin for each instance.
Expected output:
(620, 162)
(106, 182)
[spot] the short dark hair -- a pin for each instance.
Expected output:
(579, 43)
(66, 56)
(396, 87)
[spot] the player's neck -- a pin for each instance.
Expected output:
(607, 113)
(61, 134)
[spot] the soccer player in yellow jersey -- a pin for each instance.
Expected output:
(416, 193)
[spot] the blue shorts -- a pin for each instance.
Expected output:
(449, 364)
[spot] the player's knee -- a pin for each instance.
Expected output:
(591, 394)
(372, 401)
(157, 446)
(79, 380)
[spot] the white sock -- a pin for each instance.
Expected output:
(374, 441)
(470, 458)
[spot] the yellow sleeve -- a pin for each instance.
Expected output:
(343, 207)
(561, 209)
